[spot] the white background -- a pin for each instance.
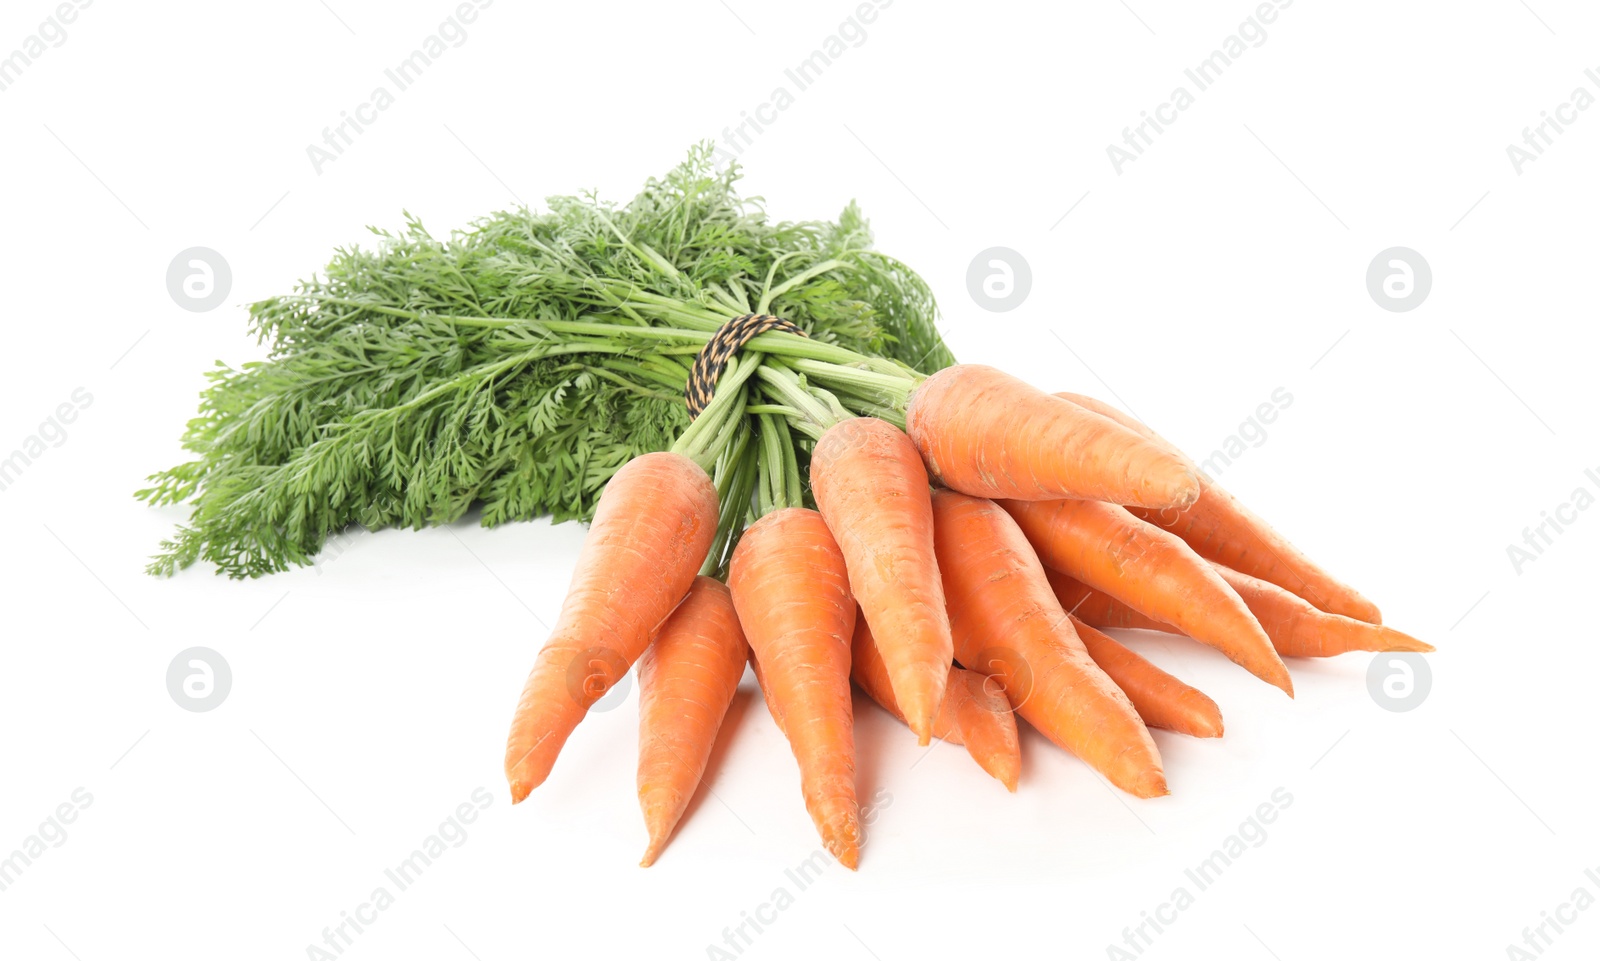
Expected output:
(370, 696)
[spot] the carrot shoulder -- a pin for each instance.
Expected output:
(1222, 529)
(1006, 623)
(687, 679)
(651, 530)
(986, 433)
(792, 593)
(1162, 700)
(1153, 572)
(974, 713)
(872, 490)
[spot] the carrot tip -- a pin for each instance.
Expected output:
(651, 853)
(1399, 641)
(847, 854)
(1006, 771)
(1152, 783)
(520, 791)
(919, 710)
(1188, 492)
(1278, 676)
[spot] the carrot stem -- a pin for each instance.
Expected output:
(788, 388)
(767, 496)
(794, 493)
(736, 476)
(891, 387)
(703, 440)
(777, 410)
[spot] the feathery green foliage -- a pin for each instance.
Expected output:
(506, 367)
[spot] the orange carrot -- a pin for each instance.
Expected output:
(974, 714)
(1151, 571)
(687, 678)
(872, 490)
(1101, 610)
(651, 531)
(792, 593)
(985, 433)
(1007, 623)
(1221, 529)
(1298, 629)
(1162, 700)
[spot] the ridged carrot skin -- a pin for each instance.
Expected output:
(1007, 624)
(872, 490)
(1151, 571)
(1221, 529)
(1298, 629)
(792, 593)
(974, 713)
(651, 530)
(986, 433)
(1162, 700)
(687, 679)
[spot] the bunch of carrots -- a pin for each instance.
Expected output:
(958, 543)
(791, 494)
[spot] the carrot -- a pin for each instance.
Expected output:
(687, 678)
(651, 530)
(1006, 623)
(973, 714)
(1299, 629)
(1151, 571)
(792, 593)
(872, 490)
(986, 433)
(1221, 529)
(1162, 700)
(1100, 610)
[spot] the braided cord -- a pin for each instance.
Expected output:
(714, 357)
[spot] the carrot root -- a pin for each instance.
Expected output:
(651, 530)
(687, 679)
(792, 593)
(872, 490)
